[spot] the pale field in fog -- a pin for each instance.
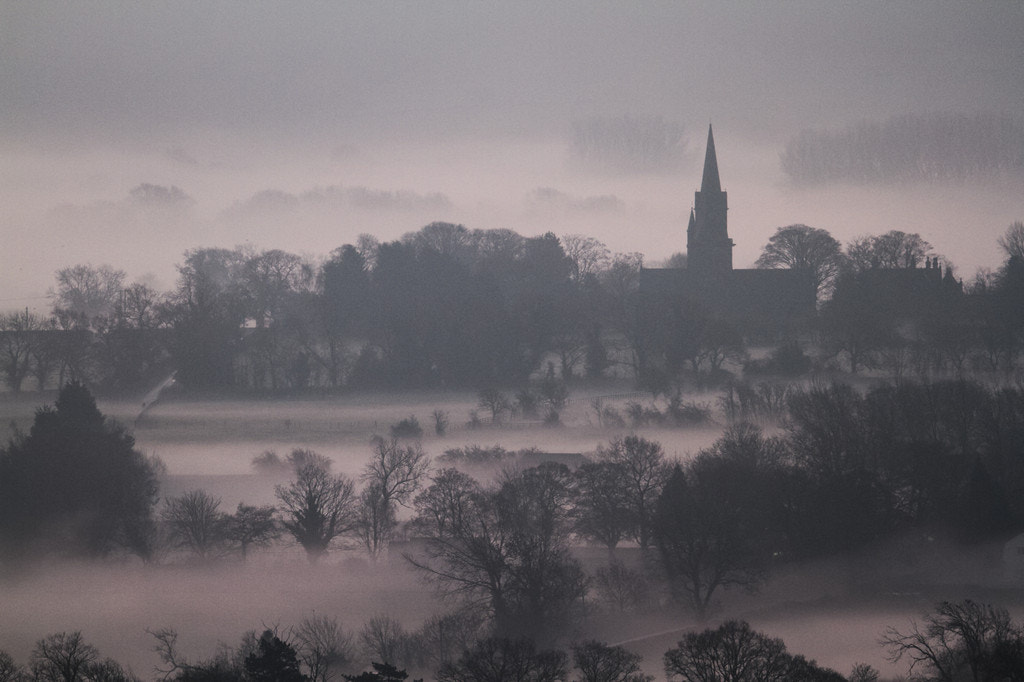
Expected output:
(830, 612)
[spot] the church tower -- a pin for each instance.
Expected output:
(708, 247)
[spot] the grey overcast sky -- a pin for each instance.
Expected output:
(460, 111)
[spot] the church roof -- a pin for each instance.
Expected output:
(710, 181)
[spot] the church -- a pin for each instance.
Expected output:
(752, 300)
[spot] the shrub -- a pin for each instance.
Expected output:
(687, 414)
(475, 454)
(622, 588)
(268, 462)
(407, 428)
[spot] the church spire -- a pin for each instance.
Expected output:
(710, 182)
(708, 245)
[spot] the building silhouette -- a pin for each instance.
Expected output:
(752, 300)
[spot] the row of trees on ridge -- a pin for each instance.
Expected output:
(450, 307)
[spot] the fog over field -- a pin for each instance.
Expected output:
(113, 603)
(832, 611)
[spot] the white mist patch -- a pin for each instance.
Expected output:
(114, 604)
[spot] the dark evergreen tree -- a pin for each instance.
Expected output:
(273, 661)
(75, 484)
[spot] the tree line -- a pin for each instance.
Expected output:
(444, 306)
(908, 148)
(456, 308)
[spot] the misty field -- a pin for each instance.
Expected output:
(831, 611)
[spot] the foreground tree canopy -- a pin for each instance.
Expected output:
(736, 653)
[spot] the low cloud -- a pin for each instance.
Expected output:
(275, 202)
(549, 198)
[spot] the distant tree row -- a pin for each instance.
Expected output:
(910, 148)
(450, 307)
(628, 144)
(444, 306)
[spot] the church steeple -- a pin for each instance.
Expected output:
(708, 246)
(710, 181)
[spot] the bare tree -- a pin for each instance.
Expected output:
(19, 336)
(88, 291)
(598, 662)
(587, 255)
(496, 402)
(44, 352)
(368, 247)
(318, 506)
(962, 640)
(1012, 242)
(65, 657)
(862, 672)
(622, 588)
(440, 422)
(225, 665)
(137, 306)
(602, 511)
(503, 549)
(392, 476)
(252, 526)
(195, 522)
(376, 520)
(9, 670)
(444, 637)
(384, 639)
(892, 250)
(269, 279)
(735, 653)
(397, 468)
(644, 473)
(708, 537)
(322, 647)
